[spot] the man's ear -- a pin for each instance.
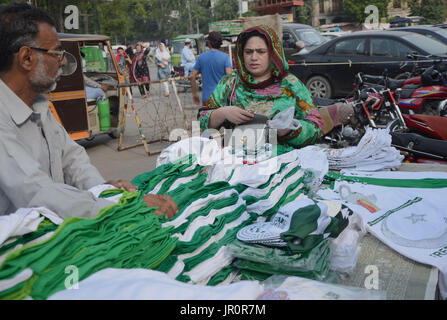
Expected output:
(25, 58)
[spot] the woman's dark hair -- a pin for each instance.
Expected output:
(215, 39)
(18, 27)
(129, 51)
(245, 36)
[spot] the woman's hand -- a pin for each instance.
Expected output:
(233, 114)
(237, 115)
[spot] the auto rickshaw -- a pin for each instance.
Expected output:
(80, 117)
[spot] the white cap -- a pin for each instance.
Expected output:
(187, 40)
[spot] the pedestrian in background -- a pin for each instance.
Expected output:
(141, 69)
(93, 89)
(130, 53)
(163, 61)
(213, 65)
(188, 58)
(124, 63)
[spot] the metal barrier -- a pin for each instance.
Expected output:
(156, 116)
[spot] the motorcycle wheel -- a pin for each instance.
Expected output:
(395, 126)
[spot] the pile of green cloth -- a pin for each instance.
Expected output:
(211, 214)
(126, 235)
(259, 262)
(294, 242)
(191, 247)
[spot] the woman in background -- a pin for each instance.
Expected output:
(141, 69)
(262, 84)
(124, 63)
(163, 61)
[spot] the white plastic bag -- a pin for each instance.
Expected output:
(345, 249)
(206, 151)
(285, 120)
(280, 287)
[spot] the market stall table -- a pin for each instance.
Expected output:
(400, 277)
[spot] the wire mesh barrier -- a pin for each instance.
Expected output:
(157, 118)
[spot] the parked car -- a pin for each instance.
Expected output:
(333, 35)
(433, 32)
(294, 32)
(370, 52)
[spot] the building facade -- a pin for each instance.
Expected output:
(323, 11)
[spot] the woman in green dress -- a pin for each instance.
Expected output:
(262, 84)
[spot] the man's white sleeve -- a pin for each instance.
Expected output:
(25, 185)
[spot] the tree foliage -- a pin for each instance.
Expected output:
(226, 9)
(303, 14)
(433, 11)
(114, 19)
(354, 10)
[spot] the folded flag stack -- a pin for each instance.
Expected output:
(293, 242)
(373, 153)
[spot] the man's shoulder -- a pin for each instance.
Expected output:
(5, 114)
(214, 54)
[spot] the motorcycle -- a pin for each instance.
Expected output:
(374, 107)
(424, 140)
(425, 94)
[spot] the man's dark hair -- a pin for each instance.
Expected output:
(215, 39)
(18, 27)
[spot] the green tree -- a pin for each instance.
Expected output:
(114, 19)
(56, 8)
(128, 21)
(226, 9)
(251, 13)
(303, 14)
(354, 10)
(433, 11)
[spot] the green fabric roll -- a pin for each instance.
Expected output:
(147, 181)
(44, 228)
(204, 233)
(319, 271)
(127, 235)
(278, 257)
(430, 183)
(221, 276)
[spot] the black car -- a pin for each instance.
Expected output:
(433, 32)
(294, 32)
(329, 70)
